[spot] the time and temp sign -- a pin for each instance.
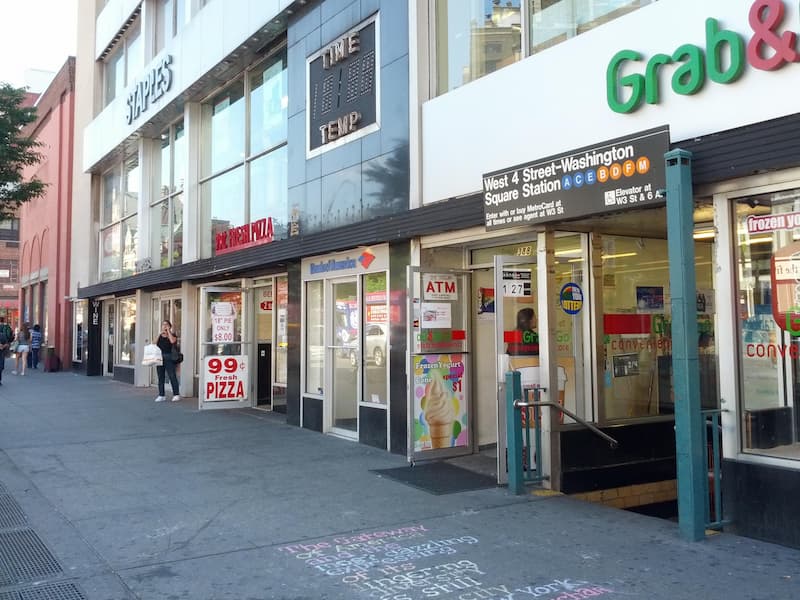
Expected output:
(342, 88)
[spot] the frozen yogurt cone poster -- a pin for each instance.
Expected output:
(440, 407)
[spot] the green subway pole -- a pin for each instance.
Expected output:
(691, 455)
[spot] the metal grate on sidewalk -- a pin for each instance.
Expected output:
(52, 591)
(25, 558)
(11, 514)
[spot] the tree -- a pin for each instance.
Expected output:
(17, 151)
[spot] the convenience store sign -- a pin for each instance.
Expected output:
(770, 47)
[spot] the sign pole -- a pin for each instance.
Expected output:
(690, 452)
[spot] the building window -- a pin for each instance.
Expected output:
(119, 233)
(127, 331)
(123, 64)
(475, 37)
(768, 271)
(170, 18)
(244, 158)
(79, 331)
(167, 211)
(637, 332)
(315, 338)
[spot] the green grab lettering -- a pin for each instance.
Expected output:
(615, 83)
(723, 61)
(689, 78)
(717, 40)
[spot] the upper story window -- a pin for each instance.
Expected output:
(167, 209)
(170, 18)
(244, 158)
(476, 37)
(119, 233)
(123, 64)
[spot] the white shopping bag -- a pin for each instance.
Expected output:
(152, 356)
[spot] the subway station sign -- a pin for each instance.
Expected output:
(616, 175)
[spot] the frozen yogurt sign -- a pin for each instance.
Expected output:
(723, 59)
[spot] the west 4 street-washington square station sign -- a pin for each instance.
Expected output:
(615, 175)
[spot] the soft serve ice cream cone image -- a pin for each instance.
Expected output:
(439, 411)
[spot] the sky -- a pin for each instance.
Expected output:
(35, 34)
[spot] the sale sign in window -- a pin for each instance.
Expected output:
(226, 378)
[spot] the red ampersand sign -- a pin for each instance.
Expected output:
(765, 17)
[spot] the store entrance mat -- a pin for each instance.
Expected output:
(438, 478)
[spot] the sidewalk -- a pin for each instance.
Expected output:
(105, 494)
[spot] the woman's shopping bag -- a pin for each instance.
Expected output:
(152, 356)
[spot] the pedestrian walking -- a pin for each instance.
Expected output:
(6, 336)
(36, 346)
(23, 347)
(167, 342)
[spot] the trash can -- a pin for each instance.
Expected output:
(49, 359)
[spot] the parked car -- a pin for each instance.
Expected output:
(375, 337)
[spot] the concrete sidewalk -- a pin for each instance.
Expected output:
(106, 494)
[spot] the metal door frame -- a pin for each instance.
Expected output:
(245, 345)
(414, 274)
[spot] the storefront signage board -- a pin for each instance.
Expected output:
(156, 82)
(343, 88)
(244, 236)
(616, 175)
(226, 378)
(441, 419)
(352, 262)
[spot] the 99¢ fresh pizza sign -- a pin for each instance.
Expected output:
(226, 378)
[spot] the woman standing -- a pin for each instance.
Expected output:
(23, 347)
(167, 341)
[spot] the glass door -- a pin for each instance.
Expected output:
(224, 366)
(516, 335)
(344, 374)
(440, 403)
(165, 309)
(108, 333)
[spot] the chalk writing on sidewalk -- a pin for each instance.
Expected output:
(405, 564)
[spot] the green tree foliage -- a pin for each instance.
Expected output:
(16, 152)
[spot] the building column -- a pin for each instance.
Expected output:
(144, 317)
(193, 222)
(189, 339)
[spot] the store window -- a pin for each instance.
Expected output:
(637, 333)
(375, 341)
(167, 211)
(315, 338)
(127, 331)
(119, 233)
(768, 270)
(79, 331)
(476, 37)
(244, 160)
(123, 64)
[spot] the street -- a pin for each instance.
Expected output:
(105, 494)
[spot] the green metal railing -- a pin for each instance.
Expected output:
(714, 479)
(524, 465)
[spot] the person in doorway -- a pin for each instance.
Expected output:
(526, 342)
(36, 346)
(23, 347)
(6, 336)
(167, 341)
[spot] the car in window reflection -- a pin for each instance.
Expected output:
(375, 338)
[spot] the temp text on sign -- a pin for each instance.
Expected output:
(615, 175)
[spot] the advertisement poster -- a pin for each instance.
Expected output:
(650, 298)
(517, 283)
(264, 296)
(223, 317)
(485, 303)
(440, 404)
(226, 378)
(436, 315)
